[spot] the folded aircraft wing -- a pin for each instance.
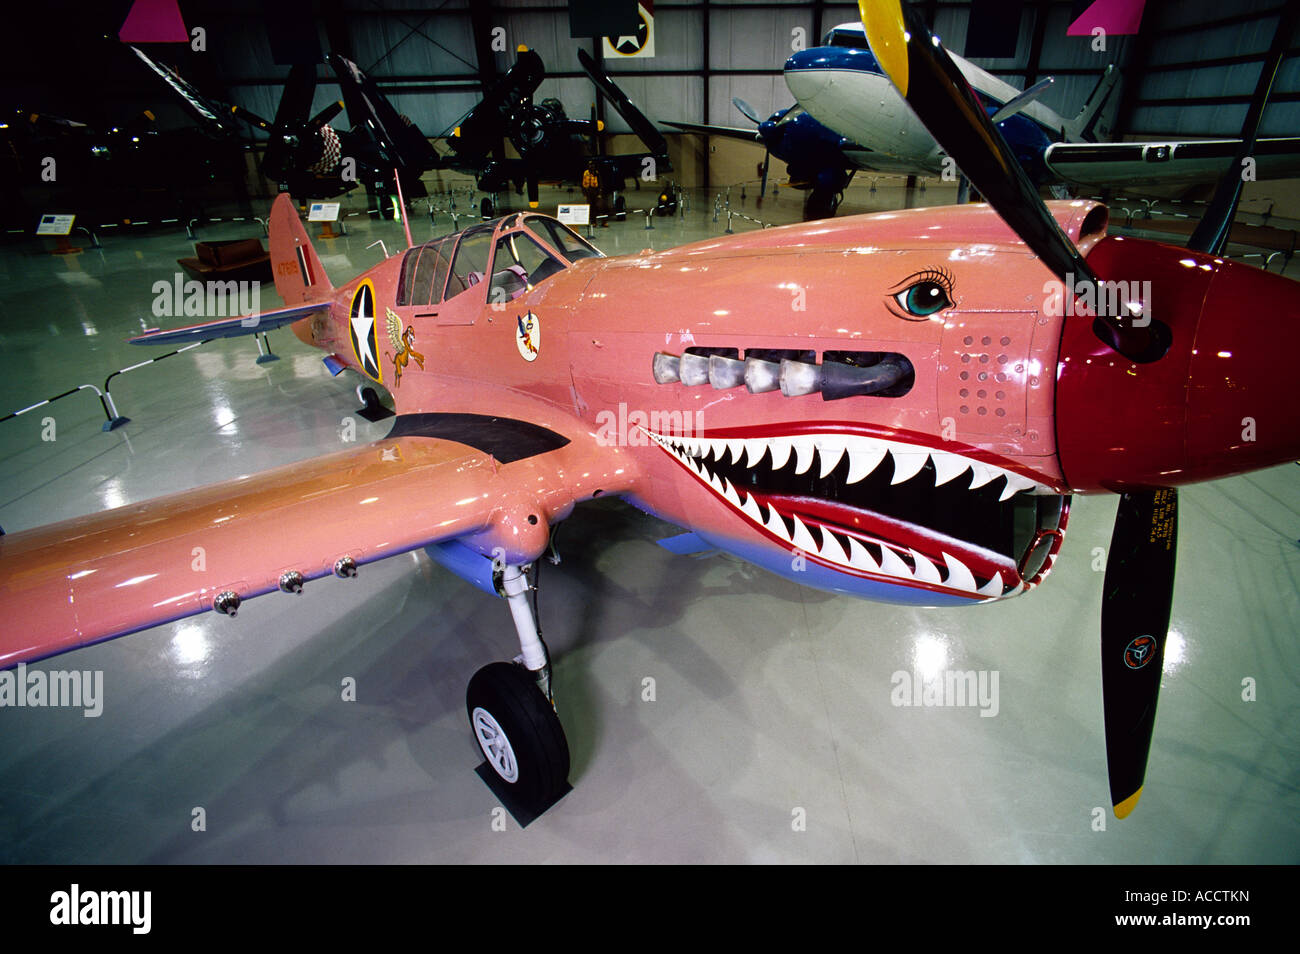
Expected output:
(97, 577)
(231, 327)
(1152, 163)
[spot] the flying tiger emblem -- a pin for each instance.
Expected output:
(403, 346)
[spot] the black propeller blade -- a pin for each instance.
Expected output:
(251, 118)
(1136, 598)
(1212, 231)
(642, 126)
(325, 115)
(1140, 570)
(930, 82)
(290, 116)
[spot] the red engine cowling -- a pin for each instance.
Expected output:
(1222, 400)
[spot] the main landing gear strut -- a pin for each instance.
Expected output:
(512, 713)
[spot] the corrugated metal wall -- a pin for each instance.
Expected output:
(423, 54)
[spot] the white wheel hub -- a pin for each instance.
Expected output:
(496, 747)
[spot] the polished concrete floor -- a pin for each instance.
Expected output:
(771, 736)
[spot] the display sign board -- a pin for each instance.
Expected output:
(55, 225)
(324, 212)
(574, 214)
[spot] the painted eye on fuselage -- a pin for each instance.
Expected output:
(922, 295)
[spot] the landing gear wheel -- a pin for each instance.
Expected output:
(520, 735)
(821, 204)
(485, 209)
(620, 209)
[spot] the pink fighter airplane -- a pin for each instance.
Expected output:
(893, 406)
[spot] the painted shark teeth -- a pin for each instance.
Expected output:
(892, 563)
(947, 466)
(780, 448)
(863, 461)
(829, 452)
(864, 456)
(776, 525)
(1015, 484)
(854, 457)
(925, 571)
(831, 549)
(959, 576)
(907, 464)
(860, 558)
(803, 449)
(802, 538)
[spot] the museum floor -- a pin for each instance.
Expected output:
(771, 736)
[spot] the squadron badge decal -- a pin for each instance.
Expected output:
(1139, 652)
(528, 336)
(403, 346)
(362, 320)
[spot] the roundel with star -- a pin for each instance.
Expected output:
(361, 318)
(630, 45)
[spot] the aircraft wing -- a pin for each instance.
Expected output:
(231, 327)
(745, 134)
(1152, 163)
(108, 574)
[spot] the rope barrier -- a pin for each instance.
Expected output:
(116, 420)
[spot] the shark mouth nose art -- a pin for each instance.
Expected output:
(873, 507)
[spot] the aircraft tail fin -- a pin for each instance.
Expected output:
(1082, 127)
(299, 275)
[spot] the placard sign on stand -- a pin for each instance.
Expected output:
(55, 225)
(324, 212)
(574, 214)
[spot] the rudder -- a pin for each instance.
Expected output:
(299, 276)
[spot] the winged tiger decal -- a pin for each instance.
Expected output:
(403, 346)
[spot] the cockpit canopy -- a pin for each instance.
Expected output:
(847, 34)
(514, 253)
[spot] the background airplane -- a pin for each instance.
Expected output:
(834, 82)
(819, 162)
(821, 157)
(549, 145)
(311, 160)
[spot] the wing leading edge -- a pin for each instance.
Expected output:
(1151, 163)
(97, 577)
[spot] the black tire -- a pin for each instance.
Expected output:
(620, 209)
(508, 695)
(485, 209)
(821, 204)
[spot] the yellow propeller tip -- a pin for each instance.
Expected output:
(522, 48)
(1123, 808)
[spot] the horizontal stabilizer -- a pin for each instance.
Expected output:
(231, 327)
